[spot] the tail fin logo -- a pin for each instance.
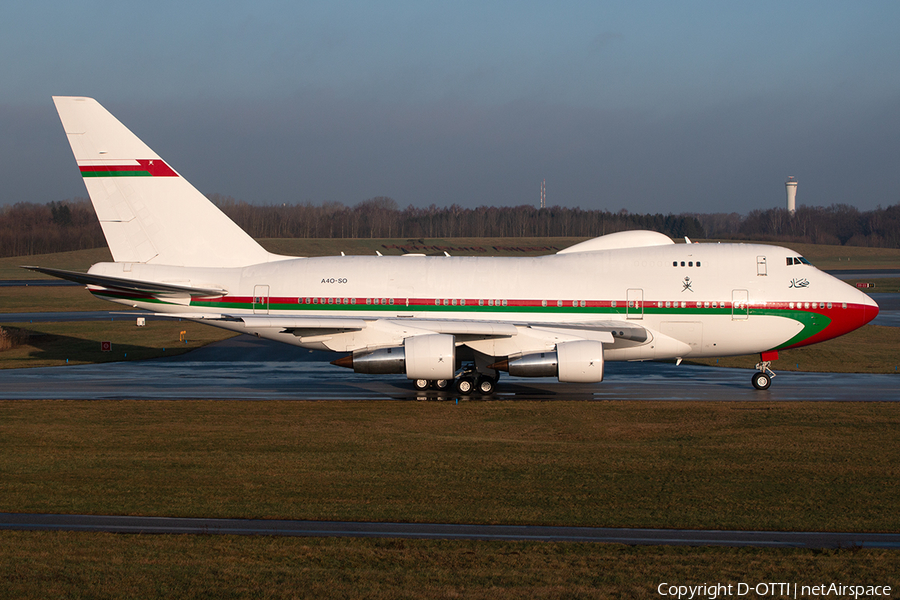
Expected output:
(144, 168)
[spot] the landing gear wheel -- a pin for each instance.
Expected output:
(761, 381)
(441, 384)
(465, 385)
(485, 386)
(421, 384)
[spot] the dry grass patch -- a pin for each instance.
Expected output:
(12, 337)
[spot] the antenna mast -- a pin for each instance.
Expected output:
(544, 193)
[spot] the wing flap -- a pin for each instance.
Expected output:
(301, 323)
(476, 328)
(624, 330)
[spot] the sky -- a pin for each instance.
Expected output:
(650, 107)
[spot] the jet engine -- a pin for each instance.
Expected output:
(580, 361)
(430, 357)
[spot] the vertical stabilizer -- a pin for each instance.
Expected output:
(149, 213)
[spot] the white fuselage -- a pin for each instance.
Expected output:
(698, 300)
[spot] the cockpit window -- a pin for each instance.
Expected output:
(797, 260)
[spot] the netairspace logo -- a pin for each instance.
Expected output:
(713, 591)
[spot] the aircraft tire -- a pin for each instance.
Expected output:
(422, 384)
(761, 381)
(441, 384)
(465, 385)
(485, 386)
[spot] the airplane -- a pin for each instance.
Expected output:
(444, 321)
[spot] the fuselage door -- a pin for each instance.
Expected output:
(634, 305)
(761, 266)
(740, 305)
(260, 299)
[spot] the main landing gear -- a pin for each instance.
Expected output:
(429, 384)
(468, 382)
(474, 383)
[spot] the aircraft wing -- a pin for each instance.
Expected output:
(130, 285)
(465, 330)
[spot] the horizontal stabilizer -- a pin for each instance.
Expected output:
(130, 285)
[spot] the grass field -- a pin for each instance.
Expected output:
(717, 465)
(73, 565)
(818, 466)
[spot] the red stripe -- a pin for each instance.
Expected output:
(155, 167)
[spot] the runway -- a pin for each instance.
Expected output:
(246, 368)
(433, 531)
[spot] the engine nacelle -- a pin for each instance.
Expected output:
(376, 362)
(430, 356)
(580, 361)
(540, 364)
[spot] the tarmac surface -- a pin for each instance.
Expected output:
(247, 368)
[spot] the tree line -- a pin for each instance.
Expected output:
(27, 229)
(381, 217)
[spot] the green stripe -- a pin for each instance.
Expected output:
(116, 174)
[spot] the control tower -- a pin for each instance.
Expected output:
(791, 187)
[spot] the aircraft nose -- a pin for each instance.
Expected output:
(870, 309)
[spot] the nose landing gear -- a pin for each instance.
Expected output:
(762, 379)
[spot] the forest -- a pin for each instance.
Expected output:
(27, 228)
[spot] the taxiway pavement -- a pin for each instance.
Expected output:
(247, 368)
(437, 531)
